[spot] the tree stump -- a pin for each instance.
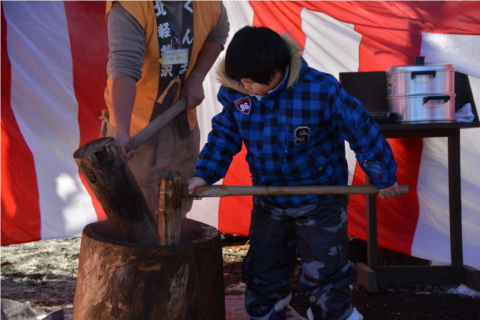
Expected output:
(118, 280)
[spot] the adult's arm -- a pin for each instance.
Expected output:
(193, 86)
(125, 60)
(212, 47)
(219, 33)
(123, 97)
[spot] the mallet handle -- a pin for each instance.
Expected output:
(227, 191)
(157, 123)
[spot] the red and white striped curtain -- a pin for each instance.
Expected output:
(53, 77)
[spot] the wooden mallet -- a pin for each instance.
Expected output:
(113, 184)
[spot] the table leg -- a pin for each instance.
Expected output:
(366, 272)
(455, 203)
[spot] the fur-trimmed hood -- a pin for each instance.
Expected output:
(295, 65)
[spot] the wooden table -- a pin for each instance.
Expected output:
(371, 89)
(371, 274)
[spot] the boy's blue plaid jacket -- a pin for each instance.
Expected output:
(295, 134)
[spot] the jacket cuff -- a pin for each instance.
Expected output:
(209, 178)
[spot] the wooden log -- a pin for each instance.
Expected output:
(115, 187)
(122, 281)
(169, 208)
(227, 191)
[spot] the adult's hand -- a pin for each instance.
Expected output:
(390, 192)
(122, 140)
(193, 90)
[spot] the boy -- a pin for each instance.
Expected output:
(293, 120)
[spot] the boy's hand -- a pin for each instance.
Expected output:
(193, 183)
(390, 192)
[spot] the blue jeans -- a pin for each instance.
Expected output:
(319, 234)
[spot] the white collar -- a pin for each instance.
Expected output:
(260, 96)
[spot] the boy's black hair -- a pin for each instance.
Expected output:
(256, 53)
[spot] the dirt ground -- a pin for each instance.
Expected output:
(390, 302)
(45, 272)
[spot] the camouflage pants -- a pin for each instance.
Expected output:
(319, 234)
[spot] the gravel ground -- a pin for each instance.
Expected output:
(43, 273)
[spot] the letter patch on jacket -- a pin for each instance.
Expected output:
(302, 135)
(244, 105)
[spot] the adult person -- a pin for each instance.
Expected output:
(294, 121)
(144, 37)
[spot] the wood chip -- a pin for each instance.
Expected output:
(30, 291)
